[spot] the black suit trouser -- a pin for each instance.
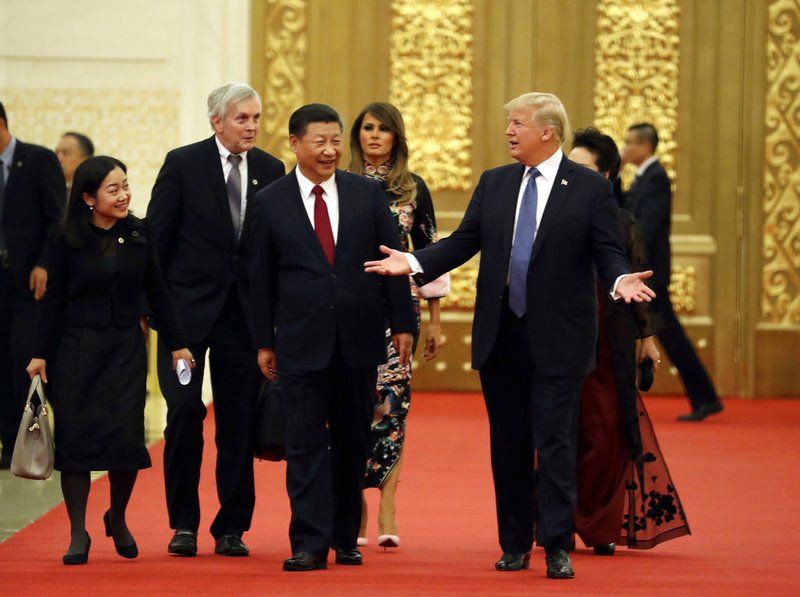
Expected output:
(18, 316)
(532, 436)
(235, 380)
(328, 417)
(681, 352)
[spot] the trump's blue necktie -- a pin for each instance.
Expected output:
(523, 244)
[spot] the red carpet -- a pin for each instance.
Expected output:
(736, 473)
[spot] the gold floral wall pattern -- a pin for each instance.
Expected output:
(636, 55)
(431, 83)
(780, 297)
(283, 88)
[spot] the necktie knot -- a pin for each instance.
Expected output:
(317, 190)
(532, 174)
(235, 160)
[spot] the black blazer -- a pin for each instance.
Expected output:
(191, 220)
(579, 230)
(78, 293)
(34, 201)
(650, 202)
(301, 304)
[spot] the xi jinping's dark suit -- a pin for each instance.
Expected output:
(33, 201)
(206, 271)
(650, 201)
(326, 325)
(531, 367)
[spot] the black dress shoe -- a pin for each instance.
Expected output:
(76, 559)
(607, 549)
(184, 543)
(126, 551)
(232, 546)
(304, 562)
(558, 564)
(511, 561)
(702, 411)
(349, 557)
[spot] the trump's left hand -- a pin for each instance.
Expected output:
(633, 288)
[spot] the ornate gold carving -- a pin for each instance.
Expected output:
(138, 126)
(431, 83)
(636, 52)
(283, 89)
(683, 288)
(780, 296)
(463, 281)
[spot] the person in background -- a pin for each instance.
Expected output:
(621, 471)
(379, 150)
(319, 329)
(650, 201)
(200, 211)
(546, 228)
(72, 149)
(91, 351)
(31, 200)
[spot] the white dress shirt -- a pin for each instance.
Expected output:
(645, 165)
(226, 170)
(330, 195)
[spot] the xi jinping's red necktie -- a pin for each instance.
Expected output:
(322, 224)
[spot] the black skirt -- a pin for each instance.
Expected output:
(98, 389)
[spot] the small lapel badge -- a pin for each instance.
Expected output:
(255, 181)
(564, 182)
(19, 164)
(120, 240)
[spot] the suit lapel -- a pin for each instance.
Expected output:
(558, 196)
(14, 172)
(216, 182)
(346, 210)
(509, 196)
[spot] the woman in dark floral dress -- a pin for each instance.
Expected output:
(379, 150)
(625, 491)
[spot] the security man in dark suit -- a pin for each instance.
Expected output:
(650, 201)
(31, 200)
(542, 227)
(200, 213)
(319, 328)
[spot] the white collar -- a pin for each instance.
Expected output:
(329, 185)
(646, 164)
(224, 153)
(548, 168)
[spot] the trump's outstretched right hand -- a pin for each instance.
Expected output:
(395, 264)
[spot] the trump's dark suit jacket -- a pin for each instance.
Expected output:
(578, 231)
(191, 221)
(34, 201)
(302, 305)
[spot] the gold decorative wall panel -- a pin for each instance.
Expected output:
(137, 126)
(683, 288)
(780, 297)
(636, 55)
(431, 82)
(282, 89)
(463, 281)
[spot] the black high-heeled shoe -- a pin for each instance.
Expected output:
(75, 559)
(126, 551)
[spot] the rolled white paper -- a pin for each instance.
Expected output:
(184, 372)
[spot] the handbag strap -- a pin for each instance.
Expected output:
(35, 388)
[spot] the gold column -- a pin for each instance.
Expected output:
(780, 292)
(279, 28)
(431, 83)
(637, 59)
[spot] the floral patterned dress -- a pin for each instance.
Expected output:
(416, 222)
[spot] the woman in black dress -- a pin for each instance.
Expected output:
(91, 349)
(379, 150)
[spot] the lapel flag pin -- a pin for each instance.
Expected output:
(563, 182)
(255, 181)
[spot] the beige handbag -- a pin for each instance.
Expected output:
(34, 451)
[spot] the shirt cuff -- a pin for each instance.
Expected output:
(613, 292)
(416, 268)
